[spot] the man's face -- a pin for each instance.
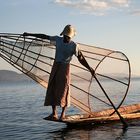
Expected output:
(67, 39)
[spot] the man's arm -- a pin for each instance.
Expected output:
(42, 36)
(83, 61)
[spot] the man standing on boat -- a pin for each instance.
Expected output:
(58, 92)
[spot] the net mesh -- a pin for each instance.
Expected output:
(35, 58)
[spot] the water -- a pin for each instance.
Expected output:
(22, 110)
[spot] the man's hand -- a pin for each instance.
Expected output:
(25, 34)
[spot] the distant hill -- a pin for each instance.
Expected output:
(11, 76)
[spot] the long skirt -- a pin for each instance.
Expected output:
(58, 91)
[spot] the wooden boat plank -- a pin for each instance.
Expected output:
(71, 120)
(128, 112)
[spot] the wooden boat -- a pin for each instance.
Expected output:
(129, 112)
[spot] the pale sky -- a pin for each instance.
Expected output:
(111, 24)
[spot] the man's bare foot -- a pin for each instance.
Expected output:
(51, 117)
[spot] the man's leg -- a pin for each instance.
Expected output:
(63, 113)
(54, 111)
(52, 116)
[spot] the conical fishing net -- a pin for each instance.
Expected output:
(35, 57)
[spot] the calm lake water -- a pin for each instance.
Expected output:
(22, 110)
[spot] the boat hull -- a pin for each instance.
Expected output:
(130, 112)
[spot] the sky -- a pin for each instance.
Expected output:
(111, 24)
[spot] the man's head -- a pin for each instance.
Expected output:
(69, 31)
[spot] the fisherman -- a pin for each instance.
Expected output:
(58, 91)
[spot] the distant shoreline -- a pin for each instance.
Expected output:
(12, 76)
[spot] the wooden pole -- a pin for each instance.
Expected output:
(85, 63)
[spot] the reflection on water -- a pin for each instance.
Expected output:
(102, 132)
(22, 110)
(89, 132)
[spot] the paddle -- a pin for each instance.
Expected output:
(83, 61)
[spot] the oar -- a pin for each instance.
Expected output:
(83, 61)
